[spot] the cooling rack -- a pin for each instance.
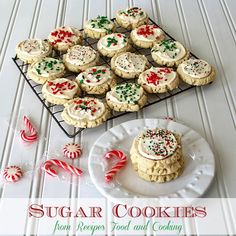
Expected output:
(55, 110)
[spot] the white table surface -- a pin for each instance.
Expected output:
(207, 28)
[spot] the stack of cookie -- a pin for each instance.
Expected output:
(156, 155)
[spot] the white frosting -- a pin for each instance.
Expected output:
(156, 76)
(125, 93)
(132, 15)
(196, 68)
(65, 36)
(111, 42)
(131, 62)
(100, 24)
(85, 108)
(157, 144)
(34, 48)
(61, 88)
(47, 67)
(80, 55)
(169, 50)
(94, 76)
(148, 33)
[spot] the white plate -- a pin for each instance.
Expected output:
(197, 175)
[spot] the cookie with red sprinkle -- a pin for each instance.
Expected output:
(65, 37)
(145, 36)
(159, 79)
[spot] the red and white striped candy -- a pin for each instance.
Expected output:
(32, 136)
(12, 173)
(72, 150)
(47, 167)
(120, 164)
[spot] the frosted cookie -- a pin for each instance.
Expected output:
(129, 65)
(60, 91)
(145, 36)
(99, 27)
(156, 155)
(112, 44)
(131, 17)
(96, 80)
(80, 58)
(158, 79)
(126, 97)
(65, 37)
(31, 50)
(196, 72)
(85, 112)
(46, 69)
(169, 53)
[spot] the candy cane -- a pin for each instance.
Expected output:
(33, 134)
(122, 161)
(47, 167)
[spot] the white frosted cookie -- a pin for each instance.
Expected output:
(80, 58)
(129, 65)
(99, 27)
(96, 80)
(85, 112)
(46, 69)
(145, 36)
(169, 53)
(196, 72)
(65, 37)
(31, 50)
(156, 155)
(112, 44)
(60, 91)
(126, 97)
(131, 17)
(158, 79)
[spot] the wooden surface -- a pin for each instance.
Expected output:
(207, 28)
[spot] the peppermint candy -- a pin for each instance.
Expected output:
(72, 150)
(12, 173)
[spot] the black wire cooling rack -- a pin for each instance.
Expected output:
(55, 110)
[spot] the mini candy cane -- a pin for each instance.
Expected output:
(33, 134)
(122, 161)
(47, 167)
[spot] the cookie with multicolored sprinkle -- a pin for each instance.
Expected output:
(129, 65)
(126, 97)
(132, 17)
(156, 154)
(96, 80)
(112, 44)
(85, 112)
(145, 36)
(99, 27)
(196, 72)
(31, 50)
(169, 53)
(60, 91)
(80, 58)
(46, 69)
(65, 37)
(159, 79)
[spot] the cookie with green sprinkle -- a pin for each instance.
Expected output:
(126, 97)
(46, 69)
(99, 27)
(112, 44)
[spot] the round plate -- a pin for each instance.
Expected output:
(198, 172)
